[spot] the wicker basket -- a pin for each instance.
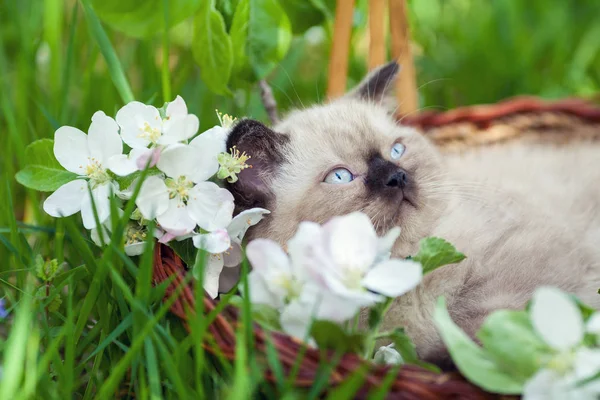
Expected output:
(515, 119)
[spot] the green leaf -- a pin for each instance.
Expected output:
(303, 14)
(331, 336)
(41, 152)
(475, 364)
(212, 49)
(436, 252)
(44, 179)
(261, 35)
(143, 18)
(509, 338)
(186, 250)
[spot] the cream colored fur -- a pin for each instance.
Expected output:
(525, 215)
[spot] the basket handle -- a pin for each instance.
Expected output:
(406, 88)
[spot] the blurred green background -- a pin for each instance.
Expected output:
(52, 70)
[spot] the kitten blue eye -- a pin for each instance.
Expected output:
(397, 151)
(339, 175)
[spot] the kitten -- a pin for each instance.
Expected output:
(352, 155)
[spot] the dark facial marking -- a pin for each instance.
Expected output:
(386, 179)
(265, 148)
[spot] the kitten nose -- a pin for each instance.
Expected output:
(398, 179)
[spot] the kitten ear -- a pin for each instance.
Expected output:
(377, 85)
(265, 148)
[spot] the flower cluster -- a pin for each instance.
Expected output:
(571, 367)
(178, 193)
(329, 273)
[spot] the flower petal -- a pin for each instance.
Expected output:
(352, 241)
(546, 384)
(210, 206)
(71, 149)
(593, 324)
(176, 108)
(147, 157)
(135, 249)
(209, 144)
(327, 305)
(178, 160)
(212, 271)
(214, 242)
(386, 243)
(266, 257)
(153, 198)
(132, 118)
(176, 218)
(556, 318)
(244, 220)
(179, 129)
(308, 254)
(260, 292)
(587, 363)
(393, 278)
(123, 165)
(101, 195)
(67, 199)
(388, 355)
(103, 138)
(296, 319)
(234, 256)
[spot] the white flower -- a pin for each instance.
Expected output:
(142, 126)
(388, 355)
(225, 248)
(136, 235)
(558, 321)
(347, 257)
(278, 282)
(184, 200)
(87, 156)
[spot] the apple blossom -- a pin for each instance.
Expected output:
(87, 156)
(558, 321)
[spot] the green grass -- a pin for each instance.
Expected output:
(59, 64)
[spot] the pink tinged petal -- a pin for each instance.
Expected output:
(234, 256)
(244, 220)
(67, 199)
(135, 249)
(587, 363)
(228, 279)
(178, 160)
(101, 195)
(212, 271)
(556, 318)
(267, 257)
(260, 292)
(176, 218)
(153, 198)
(210, 206)
(393, 278)
(177, 108)
(352, 241)
(296, 319)
(214, 242)
(179, 129)
(71, 149)
(308, 254)
(132, 118)
(166, 238)
(103, 138)
(146, 157)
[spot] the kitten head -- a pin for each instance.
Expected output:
(332, 159)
